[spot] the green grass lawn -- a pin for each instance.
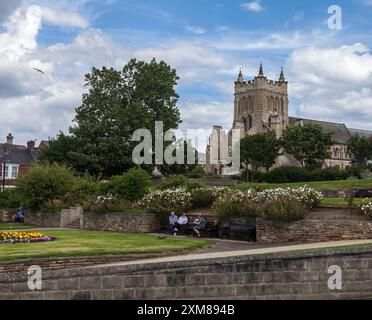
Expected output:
(342, 201)
(334, 185)
(11, 226)
(91, 243)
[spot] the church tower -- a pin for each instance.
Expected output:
(261, 104)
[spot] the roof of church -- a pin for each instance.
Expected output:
(341, 133)
(360, 132)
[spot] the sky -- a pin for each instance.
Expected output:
(207, 42)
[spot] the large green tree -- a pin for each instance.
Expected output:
(117, 103)
(260, 150)
(309, 144)
(360, 148)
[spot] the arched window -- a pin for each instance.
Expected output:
(250, 105)
(248, 124)
(270, 122)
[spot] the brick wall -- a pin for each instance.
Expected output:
(279, 276)
(313, 231)
(122, 222)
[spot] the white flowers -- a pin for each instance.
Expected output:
(367, 209)
(307, 196)
(104, 199)
(170, 199)
(182, 199)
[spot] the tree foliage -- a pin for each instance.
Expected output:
(260, 150)
(360, 149)
(117, 103)
(309, 144)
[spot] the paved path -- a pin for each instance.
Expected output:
(227, 254)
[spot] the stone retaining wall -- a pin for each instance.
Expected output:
(122, 222)
(313, 231)
(279, 276)
(45, 220)
(7, 215)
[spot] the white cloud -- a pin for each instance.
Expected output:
(333, 84)
(253, 6)
(64, 18)
(196, 29)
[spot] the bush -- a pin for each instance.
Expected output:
(367, 209)
(329, 174)
(108, 203)
(10, 199)
(44, 183)
(235, 204)
(284, 209)
(287, 175)
(173, 182)
(132, 185)
(194, 185)
(307, 196)
(165, 201)
(83, 189)
(197, 172)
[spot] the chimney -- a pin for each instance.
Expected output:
(9, 139)
(31, 145)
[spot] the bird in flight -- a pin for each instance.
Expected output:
(38, 70)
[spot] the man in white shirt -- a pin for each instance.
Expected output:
(182, 221)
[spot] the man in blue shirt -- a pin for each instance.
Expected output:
(20, 216)
(172, 220)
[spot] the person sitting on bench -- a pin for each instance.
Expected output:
(20, 216)
(172, 220)
(181, 223)
(198, 224)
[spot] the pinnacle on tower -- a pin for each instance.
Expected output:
(261, 73)
(240, 76)
(282, 77)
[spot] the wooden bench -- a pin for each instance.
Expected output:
(247, 231)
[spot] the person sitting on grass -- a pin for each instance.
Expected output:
(182, 222)
(198, 224)
(172, 220)
(20, 216)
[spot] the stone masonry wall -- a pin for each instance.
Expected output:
(41, 219)
(7, 215)
(278, 276)
(122, 222)
(313, 231)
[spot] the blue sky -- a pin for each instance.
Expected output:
(329, 71)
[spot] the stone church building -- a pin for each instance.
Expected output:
(262, 105)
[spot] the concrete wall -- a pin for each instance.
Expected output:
(280, 276)
(313, 231)
(68, 216)
(122, 222)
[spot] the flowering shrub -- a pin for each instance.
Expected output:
(205, 197)
(164, 201)
(108, 203)
(307, 196)
(235, 204)
(284, 208)
(367, 209)
(17, 237)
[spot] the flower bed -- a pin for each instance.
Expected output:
(24, 237)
